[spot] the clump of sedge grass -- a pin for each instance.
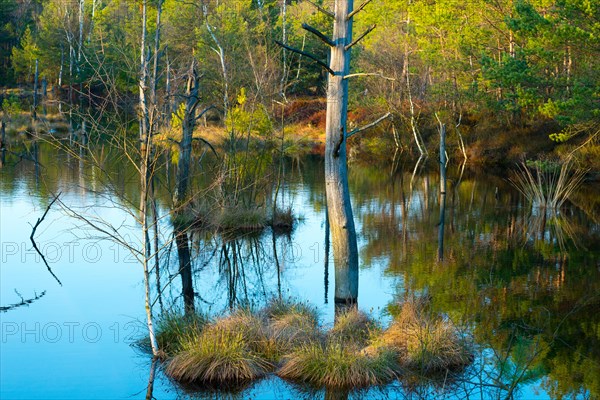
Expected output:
(353, 327)
(219, 357)
(243, 346)
(292, 324)
(282, 220)
(255, 332)
(241, 219)
(547, 185)
(172, 328)
(334, 365)
(424, 340)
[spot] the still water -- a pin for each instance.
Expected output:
(524, 286)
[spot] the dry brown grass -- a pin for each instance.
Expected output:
(425, 341)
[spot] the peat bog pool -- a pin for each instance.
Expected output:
(524, 285)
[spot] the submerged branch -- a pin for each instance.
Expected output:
(23, 302)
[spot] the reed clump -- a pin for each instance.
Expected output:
(547, 184)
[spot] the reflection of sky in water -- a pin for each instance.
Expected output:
(75, 341)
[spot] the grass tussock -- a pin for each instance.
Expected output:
(218, 356)
(425, 341)
(292, 324)
(547, 184)
(241, 219)
(334, 365)
(173, 328)
(353, 327)
(282, 220)
(255, 332)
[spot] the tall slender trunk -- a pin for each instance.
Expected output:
(284, 73)
(153, 112)
(326, 257)
(183, 172)
(185, 146)
(35, 91)
(145, 178)
(221, 53)
(339, 207)
(62, 62)
(442, 192)
(80, 44)
(169, 103)
(406, 75)
(143, 78)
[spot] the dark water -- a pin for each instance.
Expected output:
(526, 288)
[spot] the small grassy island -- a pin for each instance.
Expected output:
(284, 338)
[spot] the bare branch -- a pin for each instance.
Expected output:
(368, 126)
(378, 74)
(304, 53)
(23, 302)
(358, 39)
(321, 9)
(207, 109)
(39, 221)
(318, 34)
(359, 9)
(206, 142)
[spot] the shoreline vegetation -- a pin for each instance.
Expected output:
(285, 339)
(487, 144)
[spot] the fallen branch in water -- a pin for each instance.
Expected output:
(23, 302)
(39, 221)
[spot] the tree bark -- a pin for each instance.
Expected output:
(145, 179)
(339, 207)
(185, 146)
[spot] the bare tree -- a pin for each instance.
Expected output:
(339, 207)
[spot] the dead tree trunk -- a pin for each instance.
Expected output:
(343, 233)
(339, 207)
(185, 146)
